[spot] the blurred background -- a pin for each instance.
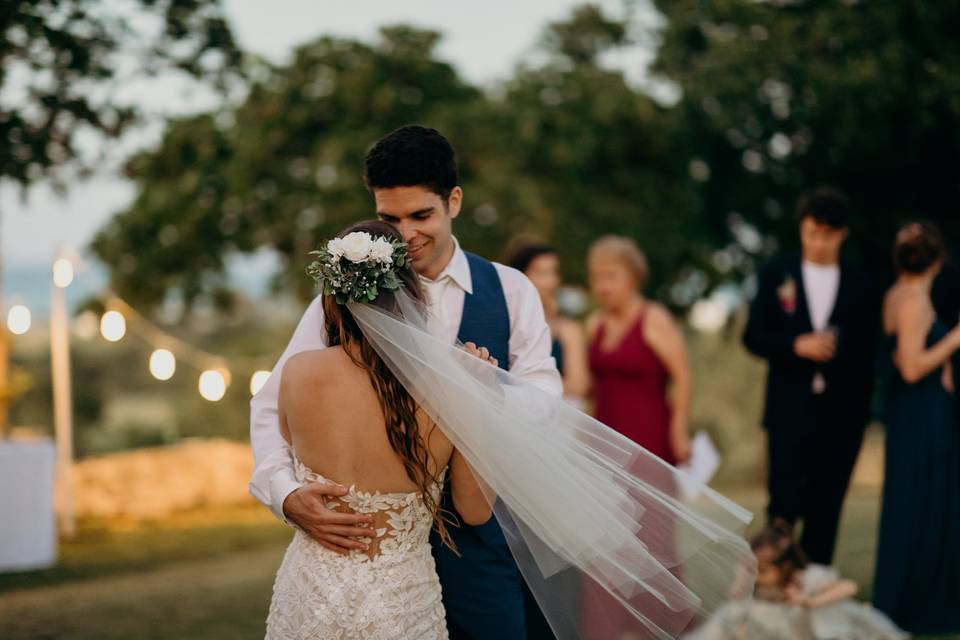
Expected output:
(182, 157)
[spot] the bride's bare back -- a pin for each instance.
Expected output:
(387, 588)
(330, 413)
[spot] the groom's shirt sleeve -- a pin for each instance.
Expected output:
(530, 341)
(273, 474)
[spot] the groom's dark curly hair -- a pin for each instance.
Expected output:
(412, 156)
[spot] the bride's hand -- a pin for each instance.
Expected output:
(481, 352)
(306, 507)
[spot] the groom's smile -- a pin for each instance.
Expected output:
(424, 219)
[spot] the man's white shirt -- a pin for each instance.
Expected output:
(530, 345)
(821, 284)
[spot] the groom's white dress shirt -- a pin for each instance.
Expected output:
(530, 343)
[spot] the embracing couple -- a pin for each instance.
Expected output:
(414, 435)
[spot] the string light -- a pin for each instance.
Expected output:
(212, 385)
(18, 319)
(62, 273)
(162, 364)
(113, 326)
(257, 380)
(216, 376)
(86, 325)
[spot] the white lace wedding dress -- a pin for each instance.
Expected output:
(390, 592)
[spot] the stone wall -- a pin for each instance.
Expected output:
(154, 482)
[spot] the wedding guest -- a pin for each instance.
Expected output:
(540, 262)
(813, 321)
(636, 352)
(918, 554)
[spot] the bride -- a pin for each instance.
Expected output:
(396, 415)
(350, 420)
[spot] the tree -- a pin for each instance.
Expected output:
(283, 170)
(567, 150)
(605, 157)
(61, 62)
(782, 96)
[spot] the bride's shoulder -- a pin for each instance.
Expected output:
(314, 364)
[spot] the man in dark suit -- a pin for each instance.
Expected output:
(813, 320)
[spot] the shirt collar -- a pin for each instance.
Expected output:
(458, 270)
(821, 268)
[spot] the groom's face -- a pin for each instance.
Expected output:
(425, 222)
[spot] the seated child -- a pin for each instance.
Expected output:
(795, 601)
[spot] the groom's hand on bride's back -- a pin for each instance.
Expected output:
(306, 507)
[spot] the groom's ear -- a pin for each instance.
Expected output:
(454, 201)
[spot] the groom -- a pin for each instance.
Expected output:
(412, 174)
(813, 321)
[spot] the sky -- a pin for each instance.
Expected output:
(483, 40)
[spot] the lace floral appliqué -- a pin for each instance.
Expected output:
(389, 592)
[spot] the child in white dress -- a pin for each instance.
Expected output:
(796, 601)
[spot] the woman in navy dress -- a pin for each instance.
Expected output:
(540, 262)
(918, 557)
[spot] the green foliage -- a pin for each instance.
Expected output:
(601, 155)
(61, 62)
(283, 170)
(775, 97)
(566, 150)
(782, 96)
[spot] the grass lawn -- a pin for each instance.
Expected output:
(202, 575)
(208, 575)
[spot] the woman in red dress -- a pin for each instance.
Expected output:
(636, 352)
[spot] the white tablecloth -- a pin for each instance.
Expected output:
(28, 531)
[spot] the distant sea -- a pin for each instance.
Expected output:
(31, 285)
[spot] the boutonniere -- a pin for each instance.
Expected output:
(787, 294)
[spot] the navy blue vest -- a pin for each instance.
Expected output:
(483, 592)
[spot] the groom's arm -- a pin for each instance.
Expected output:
(273, 475)
(530, 342)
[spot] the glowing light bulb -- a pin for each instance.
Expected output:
(18, 319)
(62, 273)
(86, 325)
(162, 364)
(113, 326)
(257, 380)
(212, 385)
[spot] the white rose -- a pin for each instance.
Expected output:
(335, 248)
(382, 251)
(356, 246)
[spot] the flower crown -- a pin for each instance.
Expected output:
(357, 267)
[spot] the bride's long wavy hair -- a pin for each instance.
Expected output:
(398, 406)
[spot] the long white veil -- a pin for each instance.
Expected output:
(595, 522)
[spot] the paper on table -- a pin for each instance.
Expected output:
(699, 469)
